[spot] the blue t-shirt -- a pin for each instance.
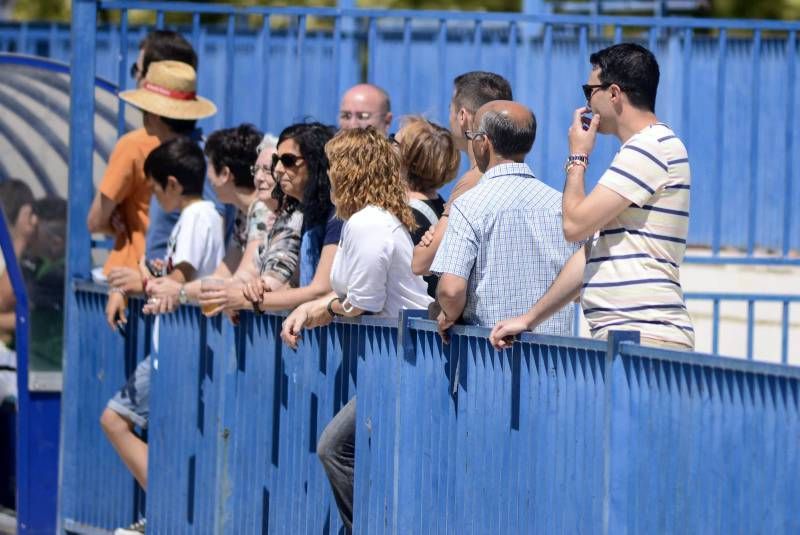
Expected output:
(312, 242)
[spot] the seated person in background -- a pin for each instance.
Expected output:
(195, 248)
(43, 267)
(17, 202)
(371, 273)
(429, 158)
(166, 115)
(300, 167)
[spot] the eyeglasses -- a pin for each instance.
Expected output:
(135, 71)
(254, 169)
(359, 115)
(474, 134)
(288, 160)
(588, 89)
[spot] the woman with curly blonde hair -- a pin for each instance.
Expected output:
(371, 272)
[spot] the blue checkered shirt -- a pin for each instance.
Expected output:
(504, 236)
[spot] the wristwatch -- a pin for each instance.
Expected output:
(329, 308)
(182, 298)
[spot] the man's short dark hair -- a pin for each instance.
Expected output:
(234, 148)
(633, 68)
(508, 137)
(161, 45)
(14, 194)
(476, 88)
(179, 157)
(182, 127)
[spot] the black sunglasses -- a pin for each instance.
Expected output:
(288, 160)
(588, 89)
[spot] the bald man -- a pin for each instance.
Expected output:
(504, 245)
(365, 105)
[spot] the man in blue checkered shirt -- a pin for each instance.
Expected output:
(504, 244)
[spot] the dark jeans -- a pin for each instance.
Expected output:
(337, 451)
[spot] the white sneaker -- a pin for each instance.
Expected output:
(137, 528)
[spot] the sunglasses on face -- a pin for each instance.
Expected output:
(288, 160)
(359, 115)
(589, 89)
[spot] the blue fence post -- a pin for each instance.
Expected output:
(80, 190)
(611, 461)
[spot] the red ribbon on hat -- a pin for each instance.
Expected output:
(171, 93)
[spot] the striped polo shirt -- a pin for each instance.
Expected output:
(632, 275)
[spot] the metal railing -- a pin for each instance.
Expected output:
(740, 136)
(555, 435)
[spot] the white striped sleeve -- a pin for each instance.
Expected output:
(638, 171)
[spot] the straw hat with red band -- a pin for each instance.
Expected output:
(170, 90)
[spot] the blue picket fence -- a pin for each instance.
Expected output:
(557, 435)
(273, 66)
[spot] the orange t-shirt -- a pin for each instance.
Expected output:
(125, 184)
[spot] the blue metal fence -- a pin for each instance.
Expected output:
(272, 66)
(556, 435)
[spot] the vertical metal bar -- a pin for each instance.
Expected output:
(754, 127)
(160, 19)
(441, 48)
(406, 102)
(617, 34)
(230, 55)
(715, 327)
(80, 186)
(583, 51)
(652, 38)
(22, 42)
(301, 45)
(547, 53)
(513, 35)
(716, 222)
(52, 40)
(477, 43)
(791, 75)
(785, 333)
(263, 67)
(196, 33)
(372, 39)
(122, 61)
(751, 306)
(687, 85)
(337, 60)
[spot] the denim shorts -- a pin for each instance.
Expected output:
(133, 400)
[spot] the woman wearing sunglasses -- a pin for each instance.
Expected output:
(371, 272)
(300, 169)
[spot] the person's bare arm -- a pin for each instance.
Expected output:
(292, 297)
(100, 215)
(425, 251)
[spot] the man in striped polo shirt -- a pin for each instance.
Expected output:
(635, 220)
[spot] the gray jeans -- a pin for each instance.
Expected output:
(337, 451)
